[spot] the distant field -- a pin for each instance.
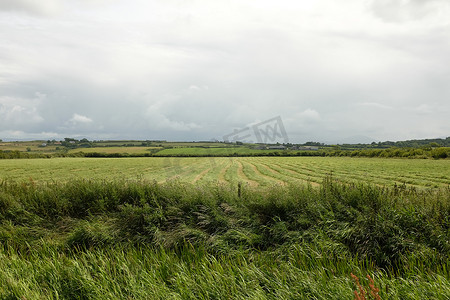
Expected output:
(171, 151)
(157, 143)
(129, 150)
(71, 147)
(134, 147)
(256, 171)
(25, 146)
(225, 151)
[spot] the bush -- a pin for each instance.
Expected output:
(442, 152)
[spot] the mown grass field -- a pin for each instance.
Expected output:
(256, 171)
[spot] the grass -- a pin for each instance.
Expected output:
(262, 171)
(121, 239)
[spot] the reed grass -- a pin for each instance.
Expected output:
(93, 239)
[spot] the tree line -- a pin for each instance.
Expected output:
(424, 153)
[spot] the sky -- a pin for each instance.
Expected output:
(185, 70)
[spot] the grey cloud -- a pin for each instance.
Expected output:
(41, 7)
(20, 113)
(375, 105)
(406, 10)
(192, 73)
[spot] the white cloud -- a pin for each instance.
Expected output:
(194, 88)
(424, 109)
(79, 119)
(309, 114)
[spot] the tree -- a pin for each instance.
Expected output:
(434, 145)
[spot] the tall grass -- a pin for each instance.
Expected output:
(137, 239)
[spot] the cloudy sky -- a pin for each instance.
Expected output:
(335, 71)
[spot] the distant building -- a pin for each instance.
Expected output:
(261, 147)
(308, 148)
(278, 147)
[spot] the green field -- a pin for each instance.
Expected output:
(34, 146)
(129, 150)
(225, 151)
(178, 149)
(256, 171)
(224, 228)
(132, 148)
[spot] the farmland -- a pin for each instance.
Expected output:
(223, 227)
(129, 150)
(256, 171)
(70, 147)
